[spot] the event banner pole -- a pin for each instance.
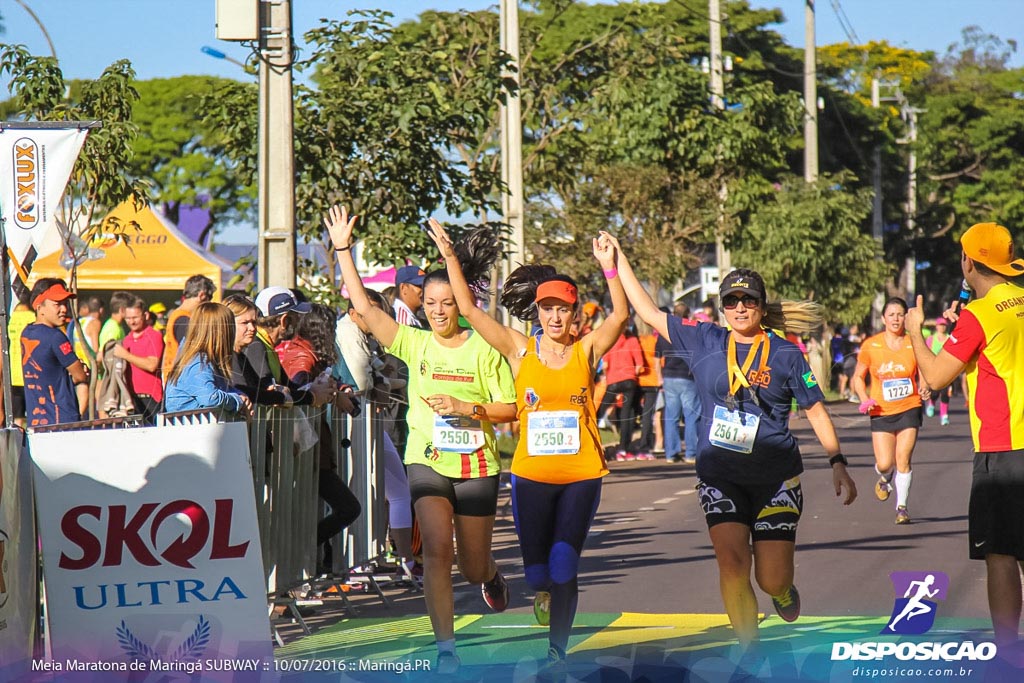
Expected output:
(36, 160)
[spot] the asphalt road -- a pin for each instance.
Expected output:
(649, 549)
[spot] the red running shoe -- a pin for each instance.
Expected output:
(495, 592)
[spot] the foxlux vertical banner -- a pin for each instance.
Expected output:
(151, 550)
(35, 165)
(17, 558)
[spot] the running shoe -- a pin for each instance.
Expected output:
(644, 456)
(787, 605)
(944, 420)
(673, 459)
(882, 489)
(496, 593)
(623, 456)
(902, 516)
(929, 410)
(555, 669)
(542, 608)
(689, 461)
(447, 663)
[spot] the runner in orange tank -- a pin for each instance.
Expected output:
(559, 461)
(894, 403)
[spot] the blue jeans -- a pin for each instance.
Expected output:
(681, 400)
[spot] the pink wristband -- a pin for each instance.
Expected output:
(609, 274)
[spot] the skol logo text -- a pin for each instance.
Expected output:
(120, 529)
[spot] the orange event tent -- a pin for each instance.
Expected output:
(156, 257)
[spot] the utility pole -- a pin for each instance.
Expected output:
(512, 140)
(910, 114)
(810, 96)
(715, 47)
(722, 256)
(276, 147)
(877, 219)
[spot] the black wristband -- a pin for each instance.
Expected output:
(343, 248)
(838, 457)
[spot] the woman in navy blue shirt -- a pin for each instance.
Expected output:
(748, 462)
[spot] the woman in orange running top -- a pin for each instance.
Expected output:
(894, 403)
(559, 461)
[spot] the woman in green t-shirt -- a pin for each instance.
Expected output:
(458, 388)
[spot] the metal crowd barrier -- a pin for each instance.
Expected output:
(361, 467)
(105, 423)
(285, 480)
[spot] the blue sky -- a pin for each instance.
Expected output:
(162, 38)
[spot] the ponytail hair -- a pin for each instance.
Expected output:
(520, 290)
(477, 252)
(799, 317)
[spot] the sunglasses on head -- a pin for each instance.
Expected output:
(730, 301)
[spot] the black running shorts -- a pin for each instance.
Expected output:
(897, 423)
(997, 505)
(470, 497)
(772, 511)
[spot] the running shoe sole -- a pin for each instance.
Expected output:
(542, 608)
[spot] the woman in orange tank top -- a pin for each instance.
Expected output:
(559, 461)
(894, 403)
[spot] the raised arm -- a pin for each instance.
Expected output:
(637, 295)
(604, 337)
(340, 225)
(504, 340)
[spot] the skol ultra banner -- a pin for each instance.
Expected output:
(35, 165)
(17, 558)
(151, 552)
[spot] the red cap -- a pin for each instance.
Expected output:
(556, 289)
(57, 292)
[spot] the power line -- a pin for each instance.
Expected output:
(845, 23)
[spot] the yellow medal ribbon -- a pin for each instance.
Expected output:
(737, 374)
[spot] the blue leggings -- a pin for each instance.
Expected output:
(552, 521)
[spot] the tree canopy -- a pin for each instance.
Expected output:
(401, 121)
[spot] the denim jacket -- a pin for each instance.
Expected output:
(198, 386)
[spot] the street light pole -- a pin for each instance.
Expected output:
(217, 54)
(276, 147)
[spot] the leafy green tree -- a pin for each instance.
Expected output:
(99, 181)
(649, 209)
(376, 131)
(808, 242)
(972, 137)
(183, 160)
